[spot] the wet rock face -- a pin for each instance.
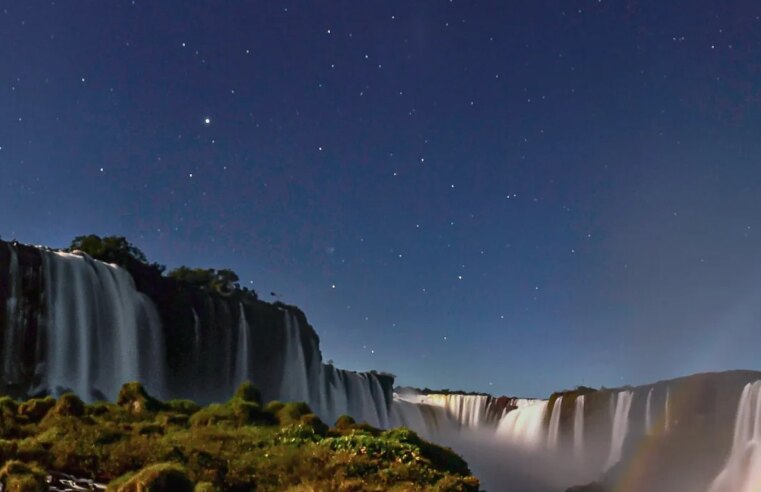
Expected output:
(22, 315)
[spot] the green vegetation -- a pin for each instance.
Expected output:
(141, 443)
(118, 250)
(222, 281)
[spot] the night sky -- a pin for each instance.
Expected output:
(513, 197)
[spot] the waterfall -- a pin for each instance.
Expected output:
(553, 435)
(295, 382)
(742, 471)
(243, 359)
(667, 410)
(649, 412)
(578, 427)
(467, 410)
(101, 332)
(620, 426)
(524, 425)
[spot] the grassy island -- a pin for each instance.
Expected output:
(141, 443)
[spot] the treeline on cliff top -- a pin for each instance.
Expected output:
(118, 250)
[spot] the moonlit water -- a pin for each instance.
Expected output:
(578, 427)
(648, 412)
(243, 357)
(101, 332)
(667, 410)
(329, 391)
(622, 406)
(295, 382)
(523, 426)
(553, 434)
(742, 472)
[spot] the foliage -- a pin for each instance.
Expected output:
(160, 477)
(118, 250)
(236, 445)
(114, 249)
(16, 476)
(221, 281)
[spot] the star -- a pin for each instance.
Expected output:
(207, 121)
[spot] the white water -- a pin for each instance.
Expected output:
(553, 434)
(243, 359)
(295, 383)
(467, 410)
(620, 426)
(667, 410)
(101, 332)
(649, 412)
(578, 427)
(330, 392)
(742, 472)
(523, 426)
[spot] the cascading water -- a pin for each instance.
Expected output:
(649, 412)
(667, 410)
(466, 410)
(553, 434)
(742, 472)
(329, 391)
(622, 406)
(524, 425)
(295, 384)
(243, 359)
(101, 332)
(578, 427)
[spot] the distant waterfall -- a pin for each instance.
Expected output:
(524, 425)
(742, 472)
(101, 332)
(329, 391)
(243, 359)
(553, 434)
(578, 427)
(649, 412)
(470, 411)
(667, 410)
(620, 426)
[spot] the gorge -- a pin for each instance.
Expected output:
(70, 322)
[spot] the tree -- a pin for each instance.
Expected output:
(117, 250)
(224, 281)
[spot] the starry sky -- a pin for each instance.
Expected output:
(513, 197)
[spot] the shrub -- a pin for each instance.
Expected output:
(21, 477)
(161, 477)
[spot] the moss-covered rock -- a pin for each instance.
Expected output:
(236, 445)
(186, 407)
(205, 487)
(248, 392)
(68, 405)
(17, 476)
(291, 413)
(135, 399)
(161, 477)
(35, 409)
(8, 450)
(344, 422)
